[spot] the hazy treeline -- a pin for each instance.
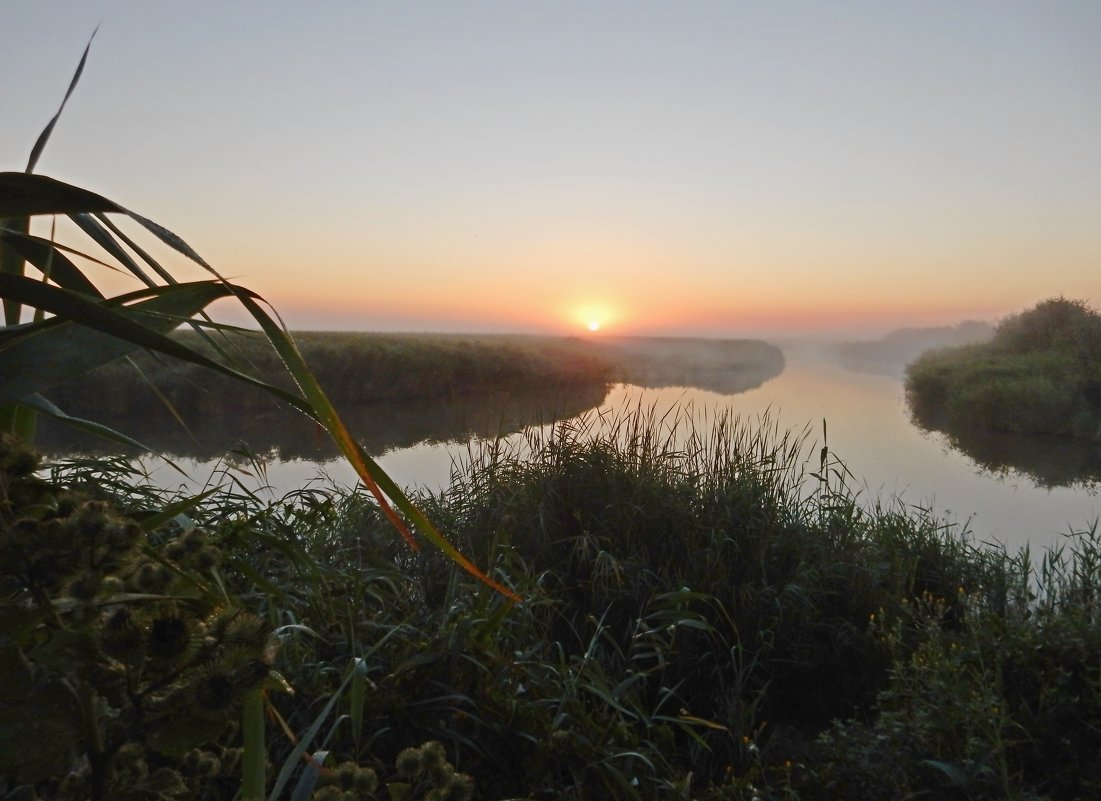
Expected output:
(892, 353)
(360, 367)
(725, 366)
(396, 389)
(1039, 374)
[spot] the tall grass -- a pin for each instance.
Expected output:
(702, 603)
(709, 612)
(688, 592)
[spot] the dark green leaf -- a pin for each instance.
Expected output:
(96, 232)
(26, 195)
(44, 137)
(50, 261)
(42, 405)
(58, 350)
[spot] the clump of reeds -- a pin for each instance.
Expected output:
(703, 599)
(714, 565)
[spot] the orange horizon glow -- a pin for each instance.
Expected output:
(654, 318)
(631, 294)
(557, 197)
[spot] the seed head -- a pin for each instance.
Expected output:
(169, 637)
(408, 763)
(121, 637)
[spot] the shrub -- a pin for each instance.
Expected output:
(1041, 374)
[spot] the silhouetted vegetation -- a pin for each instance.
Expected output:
(126, 656)
(394, 390)
(702, 618)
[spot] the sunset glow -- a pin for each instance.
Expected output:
(759, 177)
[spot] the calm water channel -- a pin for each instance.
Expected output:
(868, 429)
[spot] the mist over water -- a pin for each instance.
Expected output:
(813, 386)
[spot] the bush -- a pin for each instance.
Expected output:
(1007, 705)
(1041, 374)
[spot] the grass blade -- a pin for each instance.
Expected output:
(55, 350)
(50, 261)
(372, 475)
(41, 405)
(28, 195)
(255, 755)
(44, 137)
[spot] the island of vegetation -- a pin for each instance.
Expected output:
(395, 389)
(1040, 373)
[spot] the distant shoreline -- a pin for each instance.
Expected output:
(397, 389)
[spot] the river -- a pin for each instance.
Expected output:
(867, 426)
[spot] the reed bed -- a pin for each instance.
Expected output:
(707, 612)
(355, 368)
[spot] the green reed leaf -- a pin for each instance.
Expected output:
(41, 405)
(57, 349)
(50, 261)
(27, 195)
(44, 137)
(373, 476)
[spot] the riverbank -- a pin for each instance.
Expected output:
(395, 390)
(695, 624)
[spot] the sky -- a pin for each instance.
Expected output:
(694, 168)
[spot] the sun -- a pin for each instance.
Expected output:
(594, 318)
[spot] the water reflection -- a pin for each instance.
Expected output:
(869, 425)
(726, 367)
(381, 427)
(1046, 461)
(722, 366)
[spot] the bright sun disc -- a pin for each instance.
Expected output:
(594, 325)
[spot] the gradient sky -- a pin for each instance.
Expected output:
(665, 167)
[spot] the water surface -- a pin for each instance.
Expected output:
(866, 423)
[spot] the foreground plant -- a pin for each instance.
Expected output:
(121, 652)
(87, 329)
(123, 649)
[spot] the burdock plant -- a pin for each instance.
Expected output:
(117, 655)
